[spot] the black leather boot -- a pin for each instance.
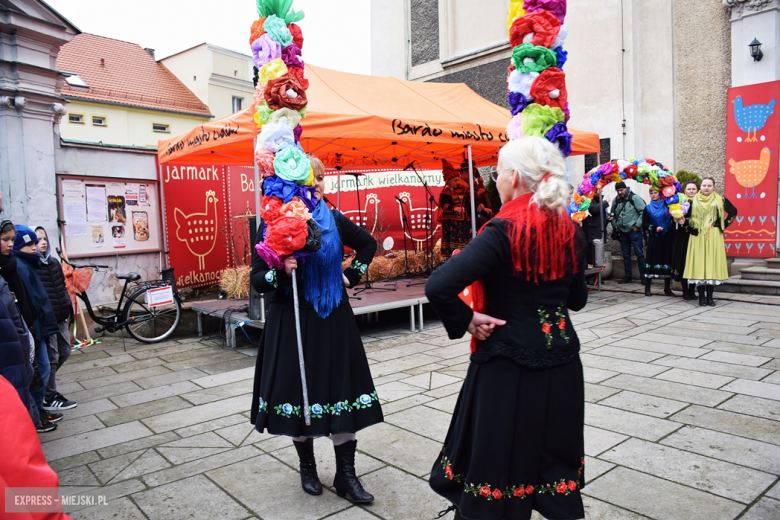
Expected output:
(710, 290)
(702, 298)
(345, 480)
(668, 287)
(686, 290)
(310, 482)
(648, 281)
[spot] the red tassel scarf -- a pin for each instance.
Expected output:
(543, 245)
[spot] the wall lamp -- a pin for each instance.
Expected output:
(755, 50)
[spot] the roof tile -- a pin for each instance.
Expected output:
(123, 72)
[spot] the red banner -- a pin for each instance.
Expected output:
(383, 198)
(196, 222)
(752, 154)
(206, 212)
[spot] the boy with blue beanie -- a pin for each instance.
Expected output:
(25, 251)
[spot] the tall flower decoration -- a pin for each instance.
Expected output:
(280, 104)
(536, 81)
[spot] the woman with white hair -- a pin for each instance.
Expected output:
(515, 443)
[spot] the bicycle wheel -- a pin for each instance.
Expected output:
(151, 324)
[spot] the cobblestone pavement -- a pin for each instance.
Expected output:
(682, 421)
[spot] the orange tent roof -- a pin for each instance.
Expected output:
(369, 122)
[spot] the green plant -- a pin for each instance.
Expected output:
(685, 177)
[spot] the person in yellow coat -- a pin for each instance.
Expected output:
(708, 217)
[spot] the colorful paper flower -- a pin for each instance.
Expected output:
(276, 137)
(532, 58)
(285, 91)
(277, 29)
(271, 208)
(271, 70)
(265, 49)
(521, 82)
(515, 11)
(517, 102)
(559, 135)
(540, 28)
(258, 97)
(285, 116)
(550, 88)
(257, 30)
(297, 35)
(562, 56)
(515, 128)
(265, 161)
(291, 56)
(297, 132)
(292, 164)
(556, 7)
(566, 112)
(263, 113)
(306, 194)
(298, 73)
(286, 235)
(562, 34)
(295, 208)
(537, 119)
(269, 256)
(275, 186)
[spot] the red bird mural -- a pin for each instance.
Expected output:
(199, 230)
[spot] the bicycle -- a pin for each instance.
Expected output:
(146, 321)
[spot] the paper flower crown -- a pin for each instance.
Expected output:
(646, 171)
(537, 94)
(280, 103)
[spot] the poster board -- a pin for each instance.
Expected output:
(108, 216)
(752, 163)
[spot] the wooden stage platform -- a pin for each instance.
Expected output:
(364, 302)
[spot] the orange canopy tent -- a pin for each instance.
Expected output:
(357, 122)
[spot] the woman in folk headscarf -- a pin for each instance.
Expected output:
(515, 443)
(341, 391)
(660, 241)
(708, 217)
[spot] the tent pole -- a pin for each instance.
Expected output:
(257, 185)
(165, 231)
(338, 190)
(471, 191)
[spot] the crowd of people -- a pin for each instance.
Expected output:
(689, 250)
(35, 310)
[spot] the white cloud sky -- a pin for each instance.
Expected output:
(336, 32)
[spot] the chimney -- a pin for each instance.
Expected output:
(102, 63)
(151, 52)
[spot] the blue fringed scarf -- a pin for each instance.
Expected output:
(659, 215)
(322, 276)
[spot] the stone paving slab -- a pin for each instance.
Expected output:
(682, 421)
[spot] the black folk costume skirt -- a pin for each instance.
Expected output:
(679, 253)
(342, 397)
(658, 258)
(515, 443)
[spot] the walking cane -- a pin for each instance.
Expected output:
(306, 414)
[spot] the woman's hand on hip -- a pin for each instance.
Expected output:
(482, 325)
(290, 263)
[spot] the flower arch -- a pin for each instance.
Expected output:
(645, 171)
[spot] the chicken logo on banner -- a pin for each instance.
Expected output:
(418, 219)
(750, 173)
(354, 215)
(199, 230)
(752, 118)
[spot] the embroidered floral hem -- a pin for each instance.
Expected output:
(485, 490)
(318, 410)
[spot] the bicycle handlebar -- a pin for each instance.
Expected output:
(96, 268)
